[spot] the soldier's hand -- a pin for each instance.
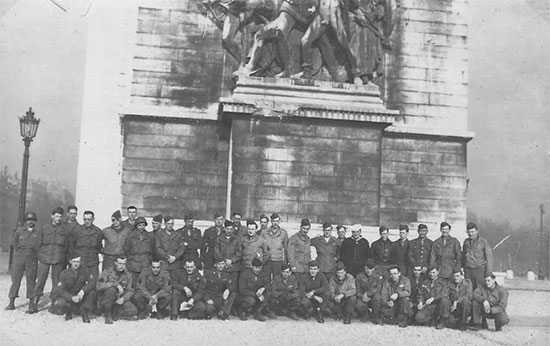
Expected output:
(338, 299)
(365, 298)
(429, 301)
(261, 298)
(120, 301)
(80, 294)
(191, 301)
(487, 307)
(120, 289)
(394, 296)
(153, 299)
(225, 294)
(424, 270)
(75, 299)
(453, 307)
(228, 263)
(390, 303)
(260, 291)
(310, 294)
(187, 291)
(420, 306)
(210, 301)
(318, 299)
(171, 259)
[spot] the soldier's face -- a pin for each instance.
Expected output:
(256, 270)
(75, 263)
(156, 225)
(342, 232)
(88, 220)
(190, 267)
(313, 271)
(422, 233)
(355, 234)
(369, 271)
(433, 274)
(155, 268)
(72, 213)
(30, 223)
(115, 221)
(472, 233)
(457, 277)
(251, 229)
(228, 231)
(140, 227)
(403, 234)
(384, 235)
(305, 229)
(169, 225)
(132, 213)
(327, 231)
(286, 273)
(417, 271)
(263, 223)
(56, 218)
(218, 221)
(275, 222)
(189, 222)
(341, 274)
(489, 282)
(395, 274)
(120, 265)
(237, 220)
(220, 265)
(445, 231)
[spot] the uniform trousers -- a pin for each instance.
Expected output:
(221, 305)
(63, 305)
(42, 276)
(198, 310)
(437, 309)
(23, 264)
(106, 300)
(345, 307)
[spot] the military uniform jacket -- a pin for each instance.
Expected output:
(208, 244)
(229, 248)
(72, 281)
(25, 242)
(345, 287)
(277, 242)
(327, 253)
(240, 231)
(318, 284)
(402, 287)
(496, 296)
(399, 254)
(167, 245)
(139, 249)
(252, 247)
(368, 284)
(419, 252)
(216, 282)
(380, 251)
(110, 277)
(193, 238)
(71, 226)
(114, 240)
(86, 242)
(416, 285)
(249, 283)
(461, 290)
(195, 282)
(477, 253)
(446, 257)
(126, 224)
(299, 252)
(288, 288)
(150, 284)
(53, 240)
(354, 253)
(436, 289)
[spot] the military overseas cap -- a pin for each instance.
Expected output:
(305, 222)
(228, 223)
(382, 229)
(275, 216)
(157, 218)
(327, 225)
(370, 263)
(75, 255)
(445, 224)
(30, 216)
(285, 267)
(339, 227)
(117, 215)
(422, 226)
(489, 274)
(168, 218)
(403, 227)
(58, 210)
(251, 222)
(140, 220)
(433, 268)
(313, 263)
(340, 266)
(188, 217)
(256, 262)
(217, 215)
(263, 216)
(471, 225)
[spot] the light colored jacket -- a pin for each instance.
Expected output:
(277, 242)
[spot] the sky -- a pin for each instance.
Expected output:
(42, 61)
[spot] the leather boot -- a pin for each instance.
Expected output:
(258, 314)
(85, 317)
(320, 318)
(69, 314)
(11, 305)
(109, 316)
(33, 305)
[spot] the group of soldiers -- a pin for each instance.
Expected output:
(243, 268)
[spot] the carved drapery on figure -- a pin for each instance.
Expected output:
(339, 40)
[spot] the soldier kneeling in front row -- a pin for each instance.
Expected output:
(75, 290)
(490, 300)
(153, 291)
(285, 294)
(187, 293)
(219, 293)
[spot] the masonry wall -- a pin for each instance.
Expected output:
(174, 167)
(423, 181)
(321, 170)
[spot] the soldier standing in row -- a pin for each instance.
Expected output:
(169, 246)
(85, 240)
(446, 254)
(192, 240)
(253, 246)
(209, 241)
(477, 256)
(355, 251)
(400, 250)
(420, 249)
(114, 237)
(25, 261)
(75, 290)
(277, 243)
(71, 223)
(239, 230)
(130, 222)
(381, 250)
(327, 251)
(299, 250)
(139, 247)
(228, 249)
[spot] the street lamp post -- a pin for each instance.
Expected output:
(29, 126)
